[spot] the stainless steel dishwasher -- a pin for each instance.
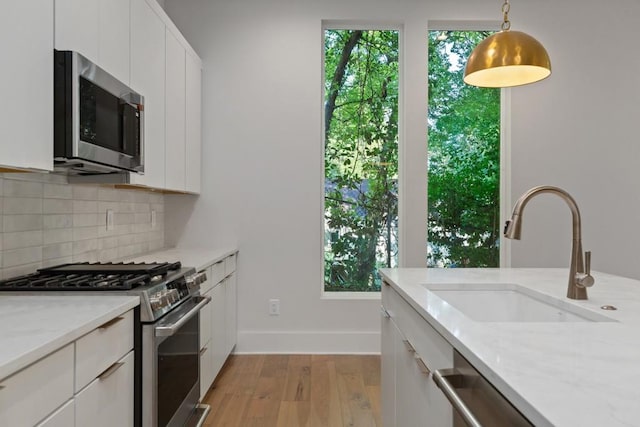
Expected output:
(475, 401)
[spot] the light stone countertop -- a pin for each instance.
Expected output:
(33, 326)
(189, 257)
(557, 374)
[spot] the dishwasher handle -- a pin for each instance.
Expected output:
(441, 378)
(168, 330)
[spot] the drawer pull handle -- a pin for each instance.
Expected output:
(204, 350)
(421, 365)
(409, 347)
(110, 323)
(110, 371)
(384, 312)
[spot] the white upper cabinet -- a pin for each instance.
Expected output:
(193, 123)
(175, 114)
(114, 44)
(77, 27)
(26, 84)
(97, 29)
(148, 78)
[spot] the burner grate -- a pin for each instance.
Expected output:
(89, 277)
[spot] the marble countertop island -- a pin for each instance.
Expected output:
(563, 374)
(33, 326)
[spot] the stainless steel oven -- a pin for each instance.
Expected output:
(170, 366)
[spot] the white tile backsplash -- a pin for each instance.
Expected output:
(45, 221)
(22, 205)
(22, 239)
(57, 206)
(12, 223)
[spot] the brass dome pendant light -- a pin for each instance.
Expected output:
(507, 58)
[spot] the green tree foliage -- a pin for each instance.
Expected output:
(464, 158)
(361, 157)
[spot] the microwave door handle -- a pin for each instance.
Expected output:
(169, 330)
(125, 141)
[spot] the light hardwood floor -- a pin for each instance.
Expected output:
(296, 391)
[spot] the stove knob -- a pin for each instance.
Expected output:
(155, 303)
(202, 277)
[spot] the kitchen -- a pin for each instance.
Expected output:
(247, 202)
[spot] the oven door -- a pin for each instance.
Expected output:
(171, 366)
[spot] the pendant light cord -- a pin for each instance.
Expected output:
(506, 24)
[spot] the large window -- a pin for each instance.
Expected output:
(360, 157)
(464, 158)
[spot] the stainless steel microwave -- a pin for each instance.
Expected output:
(98, 120)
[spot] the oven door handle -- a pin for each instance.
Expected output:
(167, 331)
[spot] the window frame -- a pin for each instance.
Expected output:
(408, 252)
(357, 25)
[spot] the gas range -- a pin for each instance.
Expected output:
(160, 286)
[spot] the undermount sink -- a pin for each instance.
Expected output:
(510, 303)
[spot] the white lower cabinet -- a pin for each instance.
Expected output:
(206, 325)
(89, 382)
(411, 351)
(63, 417)
(218, 325)
(218, 335)
(108, 400)
(231, 320)
(36, 391)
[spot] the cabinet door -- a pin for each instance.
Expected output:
(175, 114)
(114, 40)
(26, 85)
(206, 369)
(77, 27)
(108, 400)
(412, 395)
(218, 331)
(148, 78)
(388, 366)
(193, 126)
(231, 324)
(206, 322)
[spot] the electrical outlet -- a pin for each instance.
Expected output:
(154, 222)
(110, 225)
(274, 307)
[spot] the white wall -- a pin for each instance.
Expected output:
(262, 154)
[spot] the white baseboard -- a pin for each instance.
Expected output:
(307, 342)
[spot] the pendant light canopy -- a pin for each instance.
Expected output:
(507, 58)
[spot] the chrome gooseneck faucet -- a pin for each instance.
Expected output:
(579, 277)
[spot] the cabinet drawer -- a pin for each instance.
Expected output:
(63, 417)
(229, 265)
(217, 272)
(207, 284)
(433, 349)
(35, 392)
(99, 349)
(108, 400)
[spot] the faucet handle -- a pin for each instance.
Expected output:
(585, 280)
(587, 263)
